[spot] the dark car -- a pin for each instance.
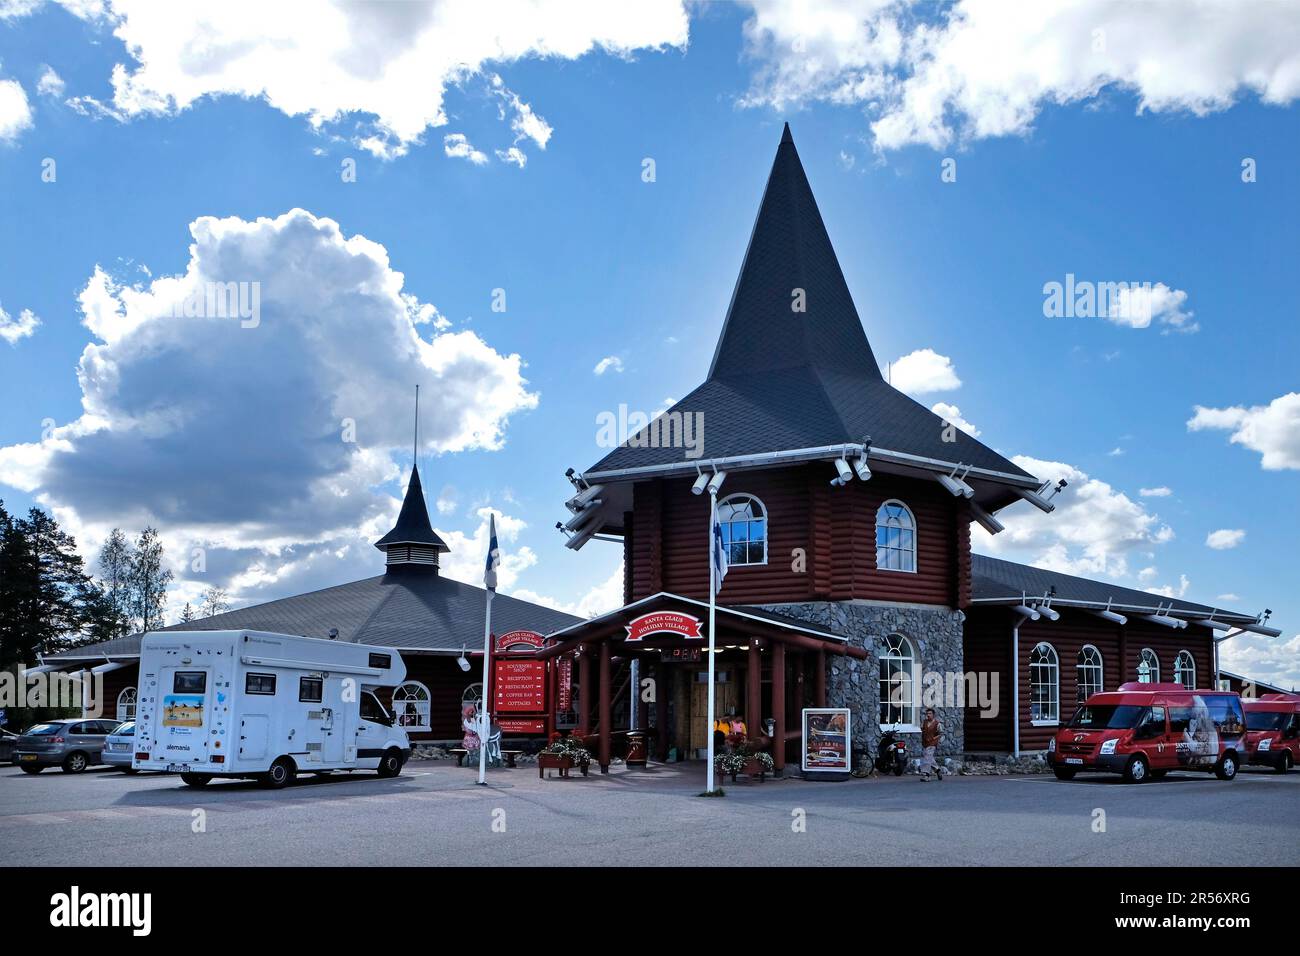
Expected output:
(71, 744)
(7, 741)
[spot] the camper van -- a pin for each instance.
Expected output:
(1143, 731)
(1273, 731)
(264, 706)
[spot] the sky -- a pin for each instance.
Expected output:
(537, 212)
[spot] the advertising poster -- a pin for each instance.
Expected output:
(826, 739)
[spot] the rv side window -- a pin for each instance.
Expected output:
(190, 682)
(381, 661)
(263, 684)
(310, 689)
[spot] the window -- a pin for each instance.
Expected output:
(895, 537)
(1044, 685)
(381, 661)
(1148, 667)
(411, 706)
(260, 684)
(126, 704)
(1089, 672)
(897, 681)
(373, 710)
(311, 690)
(744, 529)
(190, 682)
(1185, 669)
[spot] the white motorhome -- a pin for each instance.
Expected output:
(265, 706)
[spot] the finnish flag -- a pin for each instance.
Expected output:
(718, 553)
(493, 556)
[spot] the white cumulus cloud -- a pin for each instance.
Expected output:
(1225, 538)
(1273, 430)
(15, 111)
(952, 415)
(12, 329)
(458, 146)
(924, 370)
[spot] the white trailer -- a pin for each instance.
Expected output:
(265, 706)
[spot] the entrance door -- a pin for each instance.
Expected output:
(723, 702)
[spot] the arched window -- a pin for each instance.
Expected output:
(898, 684)
(1044, 685)
(126, 704)
(1185, 669)
(744, 529)
(895, 537)
(1148, 667)
(411, 706)
(1089, 672)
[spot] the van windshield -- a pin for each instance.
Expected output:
(1106, 717)
(1266, 720)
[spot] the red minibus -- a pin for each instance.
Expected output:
(1273, 730)
(1142, 731)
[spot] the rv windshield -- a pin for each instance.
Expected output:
(1266, 720)
(1106, 717)
(373, 710)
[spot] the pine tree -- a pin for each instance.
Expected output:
(115, 564)
(187, 613)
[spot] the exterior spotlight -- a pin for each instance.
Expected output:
(846, 474)
(701, 480)
(1026, 611)
(1048, 613)
(716, 481)
(952, 484)
(463, 661)
(860, 466)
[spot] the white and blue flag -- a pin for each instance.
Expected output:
(718, 553)
(493, 556)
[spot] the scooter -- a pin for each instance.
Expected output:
(891, 754)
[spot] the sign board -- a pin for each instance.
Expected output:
(826, 739)
(663, 622)
(522, 725)
(520, 641)
(681, 655)
(520, 687)
(564, 697)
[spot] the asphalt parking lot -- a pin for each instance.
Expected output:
(435, 814)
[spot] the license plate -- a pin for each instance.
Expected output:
(121, 747)
(1078, 760)
(178, 768)
(26, 757)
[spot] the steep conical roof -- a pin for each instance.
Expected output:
(790, 263)
(413, 525)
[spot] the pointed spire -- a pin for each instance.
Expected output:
(791, 307)
(412, 540)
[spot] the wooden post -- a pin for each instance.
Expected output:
(754, 690)
(606, 691)
(661, 711)
(778, 704)
(819, 679)
(584, 689)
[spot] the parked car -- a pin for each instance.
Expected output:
(119, 747)
(71, 744)
(1273, 731)
(7, 740)
(1142, 731)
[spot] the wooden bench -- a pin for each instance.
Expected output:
(507, 755)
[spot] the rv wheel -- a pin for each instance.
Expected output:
(281, 772)
(390, 764)
(195, 779)
(1135, 771)
(1227, 767)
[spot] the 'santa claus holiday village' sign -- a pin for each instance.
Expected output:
(663, 622)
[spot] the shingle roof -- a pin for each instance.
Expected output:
(782, 379)
(413, 525)
(415, 611)
(994, 579)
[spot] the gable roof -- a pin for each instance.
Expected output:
(782, 379)
(424, 612)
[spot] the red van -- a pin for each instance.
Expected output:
(1142, 731)
(1273, 730)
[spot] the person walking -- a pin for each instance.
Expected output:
(931, 735)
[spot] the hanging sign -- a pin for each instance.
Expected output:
(826, 739)
(564, 696)
(522, 725)
(663, 622)
(520, 641)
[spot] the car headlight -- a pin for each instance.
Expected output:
(1266, 743)
(1108, 746)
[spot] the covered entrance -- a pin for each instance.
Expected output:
(644, 668)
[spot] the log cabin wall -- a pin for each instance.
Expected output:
(834, 528)
(986, 649)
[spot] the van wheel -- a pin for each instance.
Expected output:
(75, 763)
(1064, 773)
(1135, 771)
(281, 773)
(1226, 768)
(1284, 764)
(28, 768)
(390, 764)
(195, 779)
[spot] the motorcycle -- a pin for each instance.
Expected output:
(891, 754)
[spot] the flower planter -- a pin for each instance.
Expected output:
(560, 762)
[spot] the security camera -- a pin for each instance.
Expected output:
(333, 633)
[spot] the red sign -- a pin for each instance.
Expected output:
(564, 697)
(522, 725)
(663, 622)
(520, 686)
(520, 641)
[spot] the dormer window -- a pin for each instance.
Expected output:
(744, 529)
(895, 537)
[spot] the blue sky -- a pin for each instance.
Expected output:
(228, 440)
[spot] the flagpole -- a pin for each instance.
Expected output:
(713, 600)
(485, 722)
